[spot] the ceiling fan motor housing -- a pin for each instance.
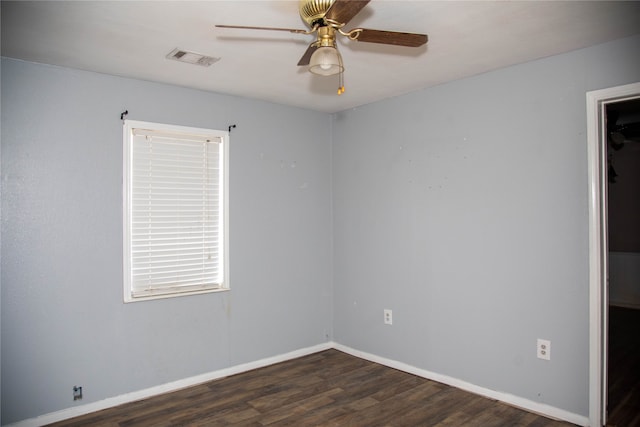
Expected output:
(312, 11)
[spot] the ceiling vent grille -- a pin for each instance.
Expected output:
(192, 57)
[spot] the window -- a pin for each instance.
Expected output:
(175, 211)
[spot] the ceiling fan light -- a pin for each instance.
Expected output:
(326, 61)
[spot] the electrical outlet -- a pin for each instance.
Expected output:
(388, 317)
(77, 392)
(544, 349)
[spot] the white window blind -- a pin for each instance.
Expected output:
(176, 211)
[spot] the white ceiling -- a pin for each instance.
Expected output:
(131, 39)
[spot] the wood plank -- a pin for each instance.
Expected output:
(624, 367)
(328, 388)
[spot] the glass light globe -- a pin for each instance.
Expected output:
(326, 61)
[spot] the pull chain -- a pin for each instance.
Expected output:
(341, 79)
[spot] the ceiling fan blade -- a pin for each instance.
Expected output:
(342, 11)
(241, 27)
(306, 58)
(392, 37)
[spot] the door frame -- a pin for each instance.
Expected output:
(598, 244)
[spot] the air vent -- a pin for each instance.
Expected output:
(192, 57)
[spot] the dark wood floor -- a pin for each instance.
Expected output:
(624, 368)
(329, 388)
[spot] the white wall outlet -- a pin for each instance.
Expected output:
(544, 349)
(388, 317)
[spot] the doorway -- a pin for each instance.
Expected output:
(602, 169)
(623, 226)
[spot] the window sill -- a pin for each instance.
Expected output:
(129, 298)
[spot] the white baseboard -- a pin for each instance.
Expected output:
(519, 402)
(110, 402)
(529, 405)
(624, 304)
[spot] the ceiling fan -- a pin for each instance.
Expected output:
(623, 128)
(327, 18)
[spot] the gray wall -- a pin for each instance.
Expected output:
(464, 209)
(63, 319)
(624, 227)
(623, 200)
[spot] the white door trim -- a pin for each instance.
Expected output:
(597, 175)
